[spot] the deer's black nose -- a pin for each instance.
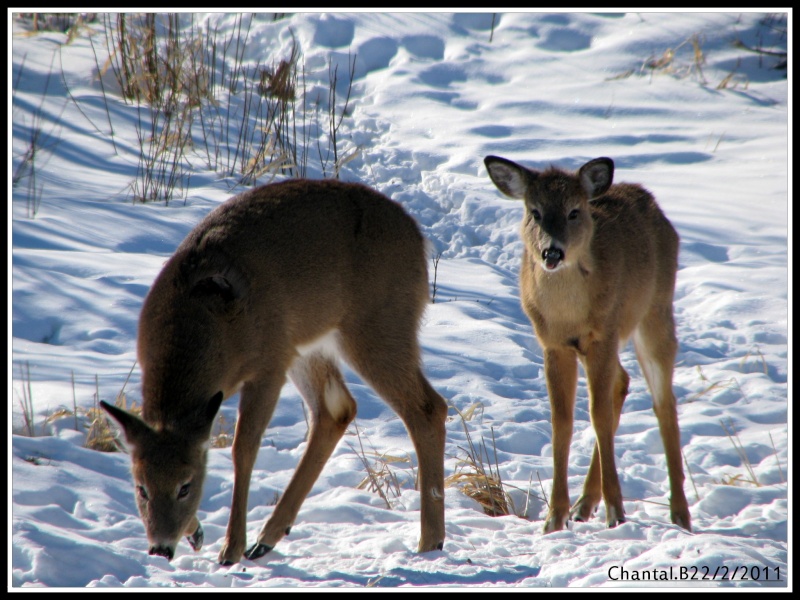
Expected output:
(552, 256)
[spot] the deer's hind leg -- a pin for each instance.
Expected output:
(383, 349)
(656, 348)
(332, 408)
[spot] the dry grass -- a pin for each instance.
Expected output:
(435, 260)
(41, 144)
(774, 31)
(26, 401)
(473, 480)
(777, 460)
(475, 474)
(473, 411)
(753, 361)
(750, 478)
(731, 383)
(223, 438)
(733, 80)
(387, 474)
(71, 24)
(100, 435)
(687, 59)
(382, 478)
(757, 357)
(246, 122)
(684, 60)
(691, 476)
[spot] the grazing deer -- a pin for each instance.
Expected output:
(598, 266)
(281, 279)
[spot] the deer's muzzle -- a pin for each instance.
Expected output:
(552, 256)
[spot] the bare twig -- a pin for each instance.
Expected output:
(777, 460)
(691, 477)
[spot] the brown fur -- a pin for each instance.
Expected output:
(280, 279)
(599, 266)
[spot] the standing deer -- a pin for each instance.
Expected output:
(598, 266)
(281, 279)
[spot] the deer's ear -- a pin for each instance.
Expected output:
(215, 286)
(201, 421)
(509, 177)
(212, 408)
(596, 176)
(133, 427)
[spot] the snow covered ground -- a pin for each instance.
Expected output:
(432, 95)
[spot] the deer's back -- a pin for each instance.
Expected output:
(632, 236)
(267, 271)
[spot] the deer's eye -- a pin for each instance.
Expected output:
(537, 216)
(142, 492)
(573, 214)
(184, 491)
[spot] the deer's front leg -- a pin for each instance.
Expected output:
(561, 372)
(256, 406)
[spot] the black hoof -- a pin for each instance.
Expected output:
(196, 539)
(616, 522)
(164, 551)
(225, 563)
(257, 551)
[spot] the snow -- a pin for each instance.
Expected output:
(433, 94)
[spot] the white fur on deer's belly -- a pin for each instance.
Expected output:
(327, 345)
